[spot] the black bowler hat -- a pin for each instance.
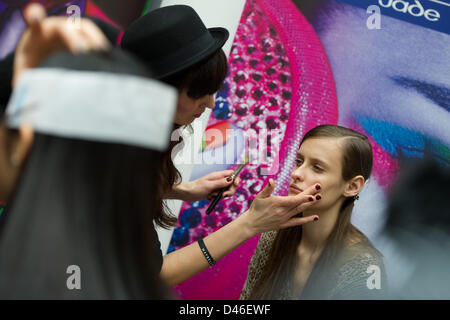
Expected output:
(171, 39)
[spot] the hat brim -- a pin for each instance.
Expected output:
(220, 36)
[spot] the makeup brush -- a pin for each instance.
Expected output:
(219, 195)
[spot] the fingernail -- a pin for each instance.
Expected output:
(315, 219)
(317, 187)
(318, 197)
(311, 199)
(229, 179)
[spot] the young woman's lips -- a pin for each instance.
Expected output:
(293, 187)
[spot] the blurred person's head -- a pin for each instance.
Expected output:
(86, 200)
(7, 62)
(175, 43)
(418, 221)
(340, 160)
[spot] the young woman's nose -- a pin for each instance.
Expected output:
(298, 174)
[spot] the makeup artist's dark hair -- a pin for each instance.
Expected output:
(84, 203)
(356, 160)
(203, 78)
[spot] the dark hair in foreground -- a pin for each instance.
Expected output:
(357, 160)
(88, 204)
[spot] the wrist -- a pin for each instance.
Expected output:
(246, 226)
(181, 191)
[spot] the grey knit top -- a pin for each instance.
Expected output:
(358, 273)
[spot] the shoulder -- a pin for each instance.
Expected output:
(360, 273)
(360, 251)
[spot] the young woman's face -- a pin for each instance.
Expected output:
(319, 161)
(189, 109)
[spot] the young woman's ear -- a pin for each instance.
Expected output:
(21, 145)
(354, 186)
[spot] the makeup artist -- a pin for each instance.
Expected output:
(182, 52)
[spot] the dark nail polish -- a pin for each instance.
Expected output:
(318, 197)
(229, 179)
(311, 199)
(317, 187)
(315, 219)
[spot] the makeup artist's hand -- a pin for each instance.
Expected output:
(206, 187)
(47, 35)
(269, 212)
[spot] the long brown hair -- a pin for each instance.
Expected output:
(168, 176)
(356, 160)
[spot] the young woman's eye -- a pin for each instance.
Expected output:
(298, 162)
(318, 168)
